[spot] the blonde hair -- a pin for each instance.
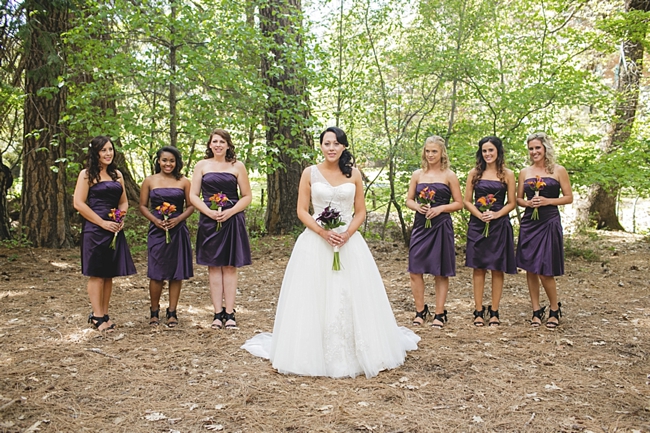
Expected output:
(444, 158)
(549, 155)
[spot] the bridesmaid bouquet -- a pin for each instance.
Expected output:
(330, 219)
(118, 216)
(166, 210)
(219, 200)
(485, 203)
(426, 196)
(536, 185)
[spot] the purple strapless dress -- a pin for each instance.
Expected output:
(431, 251)
(97, 258)
(497, 251)
(173, 260)
(540, 249)
(229, 246)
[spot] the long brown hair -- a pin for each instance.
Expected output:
(481, 165)
(93, 168)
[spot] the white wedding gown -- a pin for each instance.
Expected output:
(333, 323)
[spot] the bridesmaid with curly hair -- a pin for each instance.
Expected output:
(490, 242)
(99, 190)
(222, 241)
(540, 250)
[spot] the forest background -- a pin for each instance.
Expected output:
(152, 73)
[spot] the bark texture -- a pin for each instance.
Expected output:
(601, 202)
(44, 200)
(287, 113)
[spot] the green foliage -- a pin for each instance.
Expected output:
(16, 242)
(574, 250)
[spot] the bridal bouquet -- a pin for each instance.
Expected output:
(330, 219)
(219, 200)
(426, 196)
(166, 210)
(118, 216)
(485, 203)
(536, 185)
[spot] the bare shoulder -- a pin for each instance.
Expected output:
(239, 166)
(356, 174)
(416, 174)
(119, 174)
(450, 175)
(560, 170)
(83, 174)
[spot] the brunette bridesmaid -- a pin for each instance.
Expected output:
(431, 250)
(104, 251)
(490, 242)
(540, 250)
(165, 201)
(222, 241)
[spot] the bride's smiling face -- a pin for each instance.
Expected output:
(331, 148)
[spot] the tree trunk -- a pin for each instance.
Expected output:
(287, 111)
(601, 202)
(44, 200)
(6, 180)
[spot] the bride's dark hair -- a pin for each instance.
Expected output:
(346, 161)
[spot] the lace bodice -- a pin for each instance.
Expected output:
(323, 194)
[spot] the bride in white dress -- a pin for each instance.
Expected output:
(333, 323)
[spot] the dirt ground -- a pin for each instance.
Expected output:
(592, 374)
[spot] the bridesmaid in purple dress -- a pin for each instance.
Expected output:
(431, 250)
(222, 241)
(168, 244)
(99, 189)
(540, 250)
(494, 251)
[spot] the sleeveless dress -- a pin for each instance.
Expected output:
(333, 323)
(496, 252)
(173, 260)
(229, 246)
(540, 249)
(97, 258)
(431, 250)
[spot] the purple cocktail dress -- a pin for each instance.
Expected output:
(173, 260)
(540, 249)
(496, 252)
(97, 258)
(229, 246)
(431, 250)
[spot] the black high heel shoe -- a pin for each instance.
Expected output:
(540, 315)
(217, 322)
(229, 320)
(171, 315)
(442, 317)
(554, 314)
(95, 321)
(479, 314)
(154, 320)
(108, 319)
(493, 313)
(421, 315)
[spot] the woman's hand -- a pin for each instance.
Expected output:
(538, 201)
(423, 208)
(433, 212)
(112, 226)
(335, 239)
(224, 215)
(171, 223)
(488, 216)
